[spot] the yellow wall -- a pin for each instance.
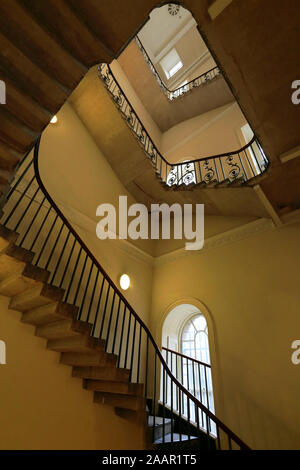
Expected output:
(78, 177)
(43, 407)
(251, 288)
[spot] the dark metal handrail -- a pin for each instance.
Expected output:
(240, 165)
(202, 79)
(195, 376)
(43, 229)
(185, 357)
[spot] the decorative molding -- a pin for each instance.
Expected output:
(85, 223)
(222, 239)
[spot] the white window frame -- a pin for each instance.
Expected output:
(171, 63)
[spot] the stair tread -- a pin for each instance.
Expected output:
(159, 421)
(113, 386)
(175, 437)
(101, 373)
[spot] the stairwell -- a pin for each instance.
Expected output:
(42, 61)
(97, 109)
(52, 278)
(42, 306)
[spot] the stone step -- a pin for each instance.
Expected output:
(51, 312)
(78, 344)
(36, 297)
(101, 373)
(109, 386)
(63, 329)
(129, 402)
(161, 426)
(174, 438)
(23, 277)
(96, 359)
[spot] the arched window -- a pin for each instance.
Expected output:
(194, 339)
(196, 375)
(185, 340)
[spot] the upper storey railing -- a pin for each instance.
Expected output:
(202, 79)
(43, 229)
(238, 166)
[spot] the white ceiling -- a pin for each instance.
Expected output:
(162, 29)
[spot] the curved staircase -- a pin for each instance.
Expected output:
(57, 322)
(46, 48)
(55, 281)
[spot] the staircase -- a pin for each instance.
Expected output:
(57, 322)
(46, 270)
(53, 279)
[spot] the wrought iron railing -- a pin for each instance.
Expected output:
(202, 79)
(238, 166)
(43, 229)
(196, 377)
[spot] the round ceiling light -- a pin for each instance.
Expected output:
(54, 120)
(124, 281)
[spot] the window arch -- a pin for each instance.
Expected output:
(186, 332)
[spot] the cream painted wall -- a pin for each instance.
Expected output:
(209, 134)
(251, 290)
(79, 178)
(43, 407)
(192, 50)
(207, 65)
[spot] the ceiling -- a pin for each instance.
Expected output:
(163, 28)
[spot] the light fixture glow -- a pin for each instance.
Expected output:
(124, 281)
(54, 120)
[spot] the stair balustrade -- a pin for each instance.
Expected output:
(29, 210)
(236, 167)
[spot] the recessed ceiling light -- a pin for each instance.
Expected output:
(54, 120)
